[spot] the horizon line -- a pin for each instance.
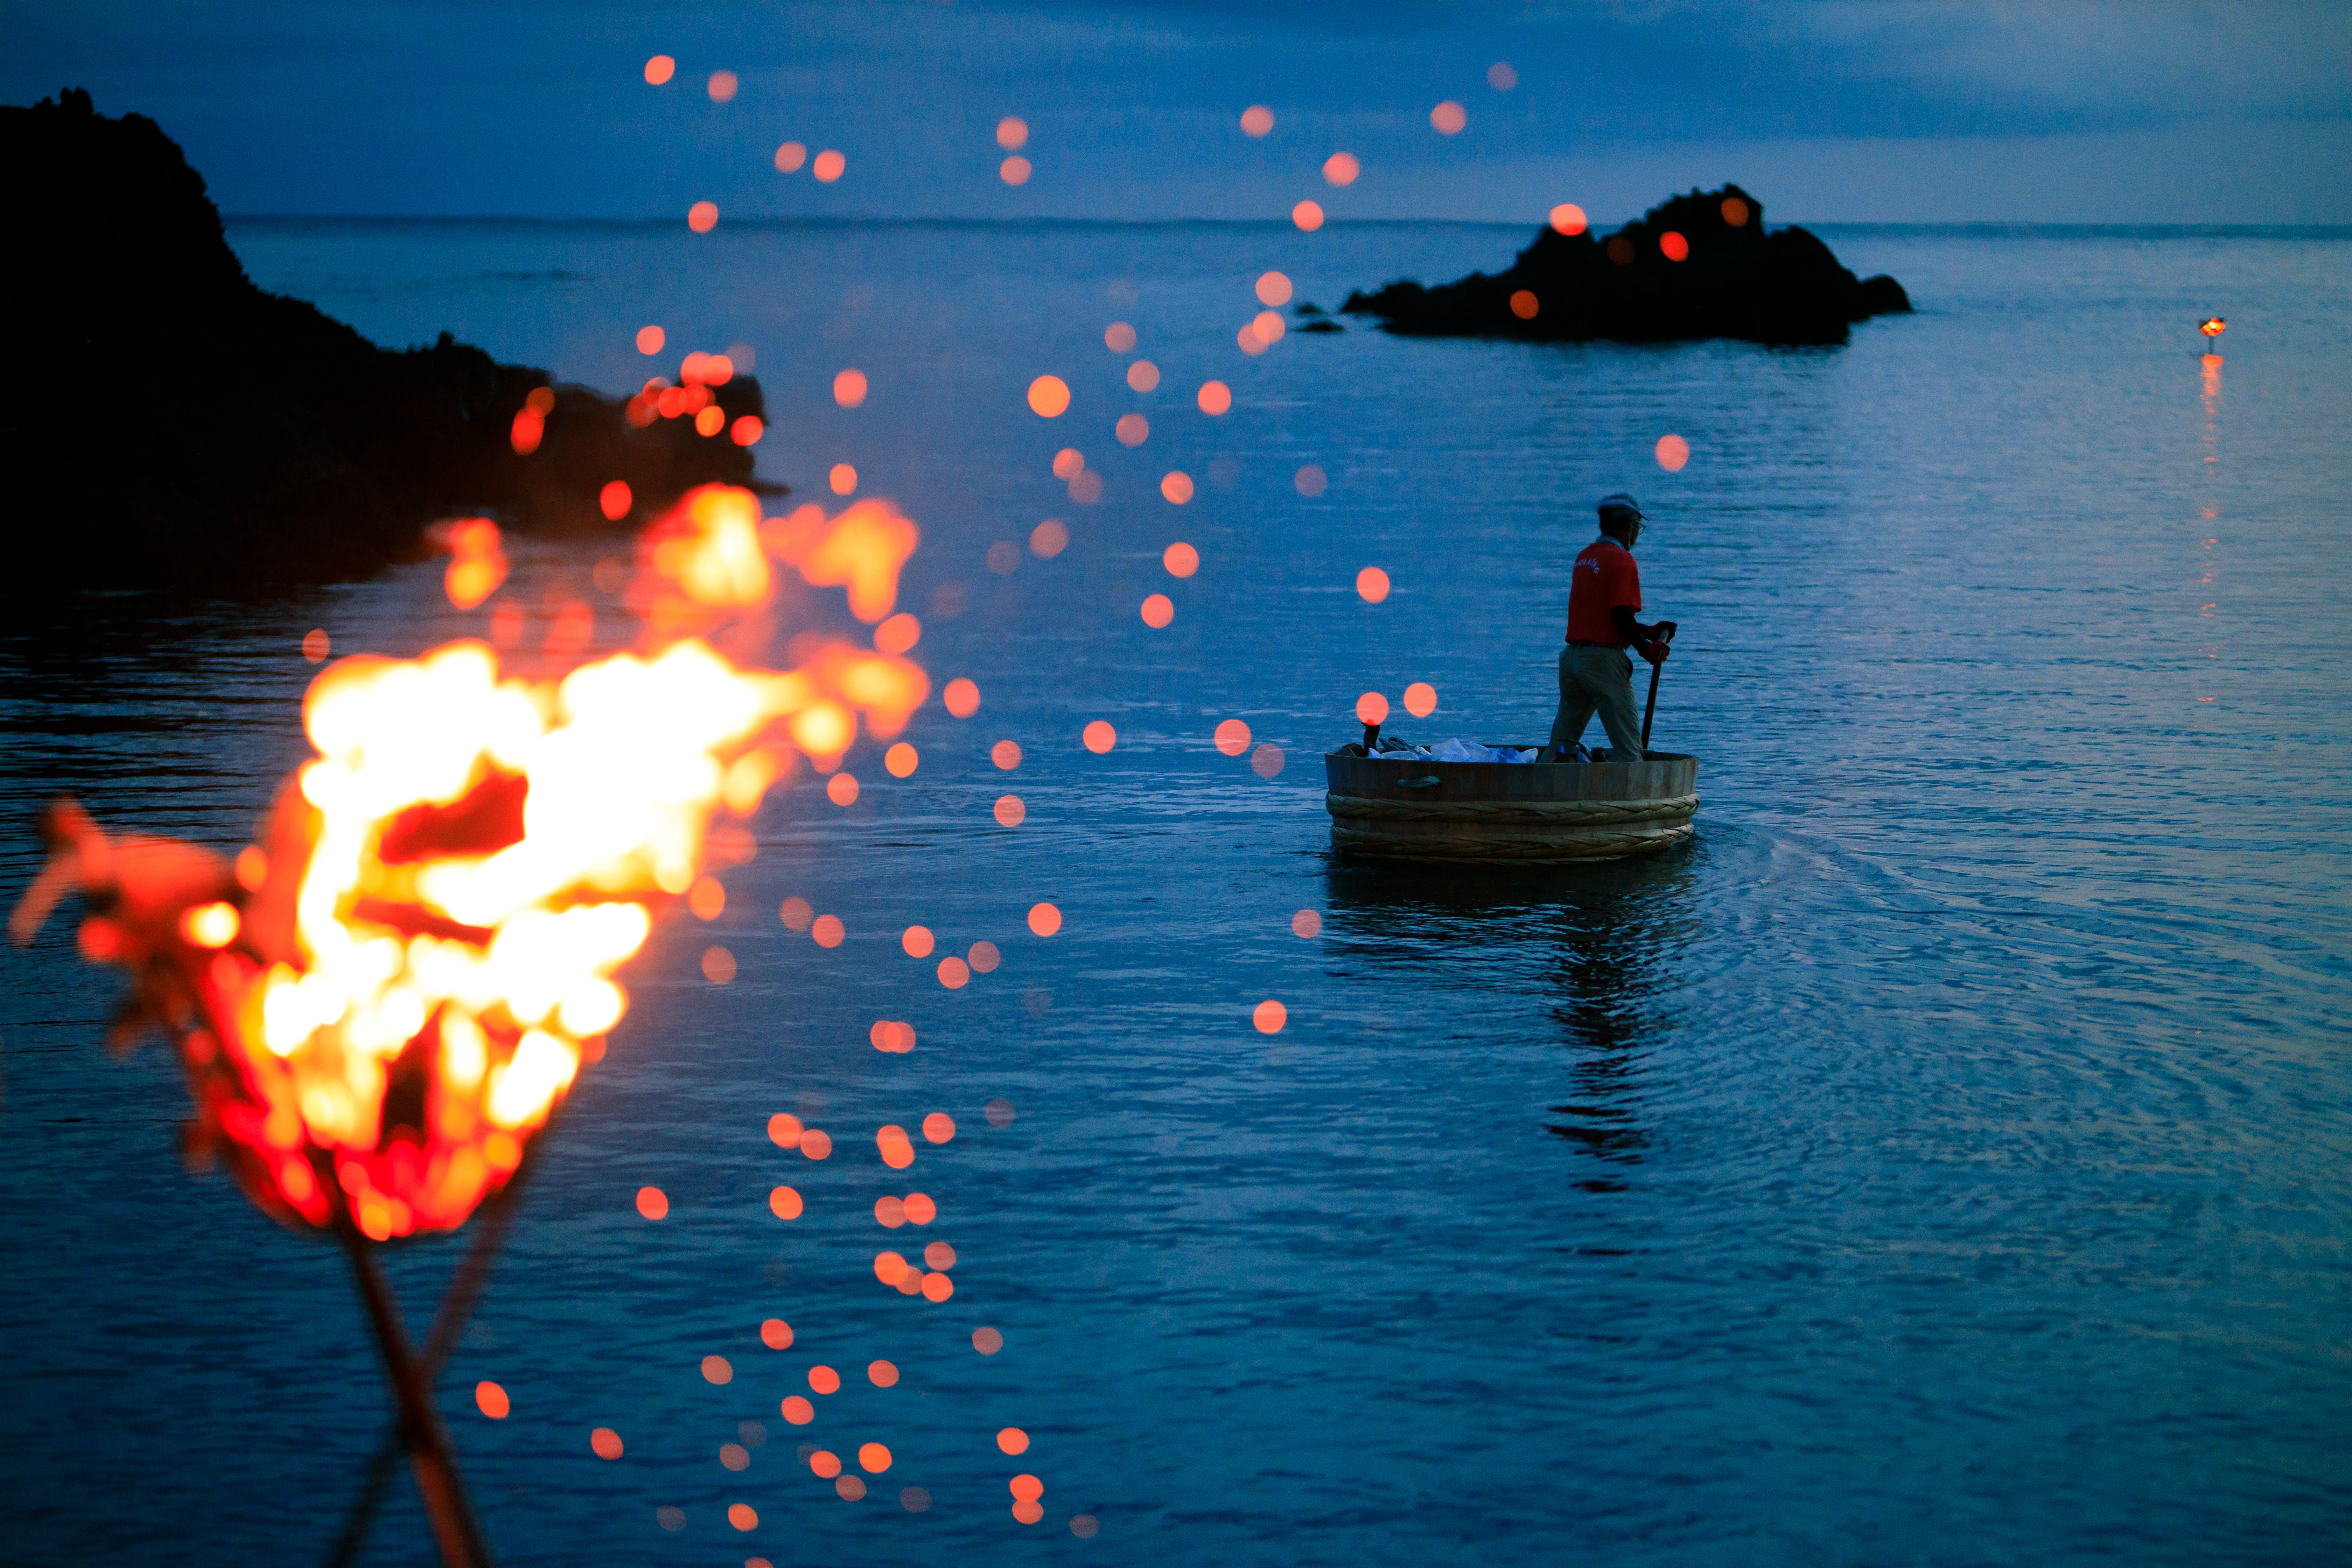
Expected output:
(847, 220)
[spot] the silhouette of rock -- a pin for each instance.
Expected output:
(1700, 266)
(162, 418)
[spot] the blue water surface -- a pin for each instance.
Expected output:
(1941, 1160)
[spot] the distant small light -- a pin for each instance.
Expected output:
(791, 156)
(1014, 171)
(1307, 217)
(1118, 337)
(1421, 699)
(1270, 1015)
(1256, 119)
(843, 478)
(1158, 611)
(660, 68)
(1272, 288)
(702, 217)
(1177, 486)
(1674, 246)
(747, 430)
(650, 340)
(1568, 219)
(614, 500)
(1342, 169)
(1734, 212)
(1142, 375)
(1049, 539)
(1215, 397)
(723, 86)
(1067, 462)
(1449, 118)
(1011, 132)
(1673, 453)
(1372, 583)
(1049, 396)
(1524, 305)
(1098, 737)
(1132, 430)
(849, 388)
(1371, 708)
(829, 167)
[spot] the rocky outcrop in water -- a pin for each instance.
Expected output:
(1700, 266)
(164, 420)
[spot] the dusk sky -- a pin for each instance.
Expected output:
(2180, 112)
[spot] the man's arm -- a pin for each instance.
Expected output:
(1649, 641)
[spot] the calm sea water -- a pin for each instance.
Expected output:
(1942, 1160)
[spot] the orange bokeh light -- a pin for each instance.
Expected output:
(1310, 481)
(953, 972)
(899, 760)
(1158, 611)
(1421, 699)
(1306, 924)
(650, 340)
(1099, 736)
(1232, 737)
(882, 1374)
(825, 1465)
(707, 898)
(797, 1409)
(938, 1127)
(1177, 486)
(776, 1334)
(897, 634)
(1267, 327)
(842, 789)
(702, 217)
(1028, 1489)
(1272, 288)
(1010, 812)
(816, 1144)
(1014, 1441)
(784, 1130)
(791, 156)
(1143, 376)
(1011, 132)
(1734, 212)
(492, 1400)
(1342, 169)
(826, 931)
(825, 1380)
(1016, 170)
(1044, 918)
(1132, 430)
(604, 1443)
(723, 86)
(1266, 761)
(1269, 1016)
(1215, 397)
(1568, 219)
(917, 941)
(829, 166)
(896, 1149)
(962, 698)
(1049, 396)
(873, 1458)
(1119, 338)
(983, 957)
(1449, 118)
(921, 1209)
(1005, 754)
(1674, 246)
(1049, 539)
(742, 1516)
(1673, 452)
(718, 1369)
(615, 501)
(1256, 119)
(843, 478)
(987, 1341)
(315, 644)
(653, 1203)
(784, 1203)
(747, 430)
(1372, 583)
(1371, 708)
(1181, 560)
(1524, 305)
(660, 68)
(710, 421)
(1308, 216)
(849, 388)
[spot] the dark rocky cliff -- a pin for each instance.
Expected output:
(1732, 280)
(162, 418)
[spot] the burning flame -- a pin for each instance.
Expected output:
(382, 1004)
(2212, 326)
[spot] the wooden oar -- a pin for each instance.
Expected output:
(1656, 670)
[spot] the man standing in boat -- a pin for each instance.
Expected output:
(1595, 672)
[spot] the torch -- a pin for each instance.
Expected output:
(382, 1006)
(2213, 327)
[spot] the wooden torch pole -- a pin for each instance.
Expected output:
(459, 1532)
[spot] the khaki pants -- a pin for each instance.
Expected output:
(1598, 678)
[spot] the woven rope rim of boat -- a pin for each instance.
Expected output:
(1593, 844)
(1562, 813)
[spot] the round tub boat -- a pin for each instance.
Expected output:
(1510, 811)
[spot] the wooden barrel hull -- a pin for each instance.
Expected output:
(1508, 811)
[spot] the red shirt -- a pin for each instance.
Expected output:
(1604, 577)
